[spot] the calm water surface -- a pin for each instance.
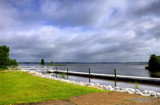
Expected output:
(120, 84)
(122, 69)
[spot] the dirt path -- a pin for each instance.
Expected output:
(111, 98)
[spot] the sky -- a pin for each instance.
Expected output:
(80, 30)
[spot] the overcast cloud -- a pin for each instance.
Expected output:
(80, 30)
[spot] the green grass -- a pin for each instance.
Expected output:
(20, 87)
(137, 85)
(3, 69)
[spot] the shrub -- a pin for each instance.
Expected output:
(154, 63)
(4, 58)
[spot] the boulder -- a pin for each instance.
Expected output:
(153, 93)
(101, 86)
(116, 89)
(138, 92)
(97, 84)
(158, 95)
(105, 87)
(92, 84)
(109, 86)
(146, 92)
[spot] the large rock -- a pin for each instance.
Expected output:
(110, 88)
(121, 90)
(153, 93)
(138, 92)
(117, 89)
(158, 95)
(106, 88)
(97, 84)
(101, 86)
(146, 92)
(129, 90)
(146, 95)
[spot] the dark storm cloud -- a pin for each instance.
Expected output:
(85, 30)
(74, 13)
(150, 9)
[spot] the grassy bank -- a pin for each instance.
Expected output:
(20, 87)
(3, 69)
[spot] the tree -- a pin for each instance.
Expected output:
(154, 63)
(42, 62)
(51, 62)
(14, 62)
(4, 58)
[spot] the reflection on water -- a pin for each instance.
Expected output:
(155, 74)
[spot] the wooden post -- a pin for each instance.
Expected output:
(56, 68)
(115, 72)
(67, 73)
(89, 75)
(67, 69)
(56, 71)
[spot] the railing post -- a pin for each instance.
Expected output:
(89, 75)
(56, 72)
(67, 73)
(56, 68)
(115, 73)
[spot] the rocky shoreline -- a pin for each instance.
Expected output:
(97, 85)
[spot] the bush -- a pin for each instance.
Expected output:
(4, 58)
(42, 62)
(154, 63)
(13, 62)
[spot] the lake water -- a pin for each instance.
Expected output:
(120, 84)
(122, 69)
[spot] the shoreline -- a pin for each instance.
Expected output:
(97, 85)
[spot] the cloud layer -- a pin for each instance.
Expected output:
(84, 30)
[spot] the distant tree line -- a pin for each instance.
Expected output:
(5, 61)
(153, 63)
(42, 62)
(51, 63)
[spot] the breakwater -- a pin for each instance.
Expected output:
(147, 80)
(97, 85)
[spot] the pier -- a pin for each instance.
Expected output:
(49, 69)
(146, 80)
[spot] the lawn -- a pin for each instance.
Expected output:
(21, 87)
(3, 69)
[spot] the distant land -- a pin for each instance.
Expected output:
(85, 62)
